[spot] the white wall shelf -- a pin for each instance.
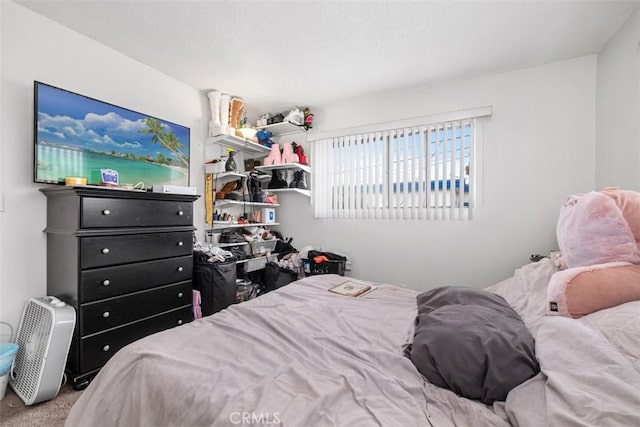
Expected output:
(282, 128)
(257, 263)
(290, 190)
(224, 202)
(239, 144)
(221, 225)
(211, 168)
(285, 166)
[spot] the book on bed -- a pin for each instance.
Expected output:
(351, 288)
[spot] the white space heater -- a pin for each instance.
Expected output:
(44, 336)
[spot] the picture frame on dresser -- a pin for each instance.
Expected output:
(124, 260)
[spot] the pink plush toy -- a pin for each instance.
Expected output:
(629, 204)
(599, 237)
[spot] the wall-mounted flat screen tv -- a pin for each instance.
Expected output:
(78, 136)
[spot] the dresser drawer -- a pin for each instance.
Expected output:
(108, 282)
(101, 251)
(109, 313)
(95, 350)
(102, 212)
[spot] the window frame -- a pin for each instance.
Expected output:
(390, 208)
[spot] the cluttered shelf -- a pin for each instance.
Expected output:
(285, 166)
(223, 202)
(220, 225)
(283, 128)
(291, 190)
(239, 144)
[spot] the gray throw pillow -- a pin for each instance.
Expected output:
(471, 342)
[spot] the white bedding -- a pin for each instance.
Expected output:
(590, 367)
(303, 356)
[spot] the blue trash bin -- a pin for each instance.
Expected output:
(8, 350)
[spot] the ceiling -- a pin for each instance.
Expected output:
(277, 54)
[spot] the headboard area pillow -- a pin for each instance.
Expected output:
(471, 342)
(579, 291)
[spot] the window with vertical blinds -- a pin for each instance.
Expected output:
(427, 171)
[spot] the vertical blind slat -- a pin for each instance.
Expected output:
(428, 171)
(437, 192)
(386, 174)
(352, 174)
(345, 176)
(337, 178)
(357, 178)
(452, 171)
(414, 169)
(421, 174)
(369, 156)
(472, 169)
(393, 173)
(406, 178)
(348, 190)
(461, 173)
(372, 176)
(365, 177)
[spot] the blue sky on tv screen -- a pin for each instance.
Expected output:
(70, 119)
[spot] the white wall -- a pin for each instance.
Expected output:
(618, 109)
(1, 169)
(538, 148)
(35, 48)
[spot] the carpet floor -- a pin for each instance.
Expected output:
(52, 413)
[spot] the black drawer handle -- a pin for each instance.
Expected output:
(106, 282)
(180, 213)
(105, 314)
(179, 321)
(105, 250)
(180, 243)
(106, 212)
(180, 294)
(106, 348)
(180, 269)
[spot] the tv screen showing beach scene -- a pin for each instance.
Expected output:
(78, 136)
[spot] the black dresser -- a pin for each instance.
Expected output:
(123, 260)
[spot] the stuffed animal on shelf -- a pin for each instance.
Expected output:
(599, 238)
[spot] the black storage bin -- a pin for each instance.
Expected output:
(276, 277)
(335, 265)
(326, 267)
(216, 283)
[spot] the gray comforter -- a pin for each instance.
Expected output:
(298, 356)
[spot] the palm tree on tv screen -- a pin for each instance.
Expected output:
(168, 139)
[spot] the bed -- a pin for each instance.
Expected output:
(303, 356)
